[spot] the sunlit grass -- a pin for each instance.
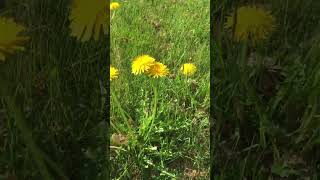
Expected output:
(165, 119)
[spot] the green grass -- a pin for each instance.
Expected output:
(51, 121)
(170, 113)
(266, 116)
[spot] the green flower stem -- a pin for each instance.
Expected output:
(155, 102)
(245, 78)
(244, 57)
(154, 108)
(113, 14)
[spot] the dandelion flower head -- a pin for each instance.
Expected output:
(114, 6)
(10, 39)
(87, 18)
(253, 22)
(188, 69)
(142, 64)
(158, 70)
(114, 73)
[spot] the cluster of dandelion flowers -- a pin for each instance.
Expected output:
(251, 22)
(114, 73)
(142, 64)
(88, 18)
(158, 70)
(188, 69)
(10, 39)
(114, 6)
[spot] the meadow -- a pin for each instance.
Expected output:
(266, 93)
(159, 127)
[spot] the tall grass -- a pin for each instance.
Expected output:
(56, 89)
(165, 120)
(266, 114)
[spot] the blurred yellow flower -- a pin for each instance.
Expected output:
(142, 64)
(87, 18)
(188, 69)
(10, 39)
(158, 70)
(114, 6)
(251, 22)
(114, 73)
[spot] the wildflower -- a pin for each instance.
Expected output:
(87, 18)
(188, 69)
(114, 73)
(142, 64)
(10, 39)
(252, 22)
(158, 70)
(114, 6)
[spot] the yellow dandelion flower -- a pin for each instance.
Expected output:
(158, 70)
(10, 40)
(188, 69)
(114, 6)
(114, 73)
(142, 64)
(251, 22)
(88, 18)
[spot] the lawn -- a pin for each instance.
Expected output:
(160, 126)
(266, 101)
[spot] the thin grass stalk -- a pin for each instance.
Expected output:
(17, 115)
(122, 111)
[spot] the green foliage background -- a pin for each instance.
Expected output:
(57, 86)
(266, 115)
